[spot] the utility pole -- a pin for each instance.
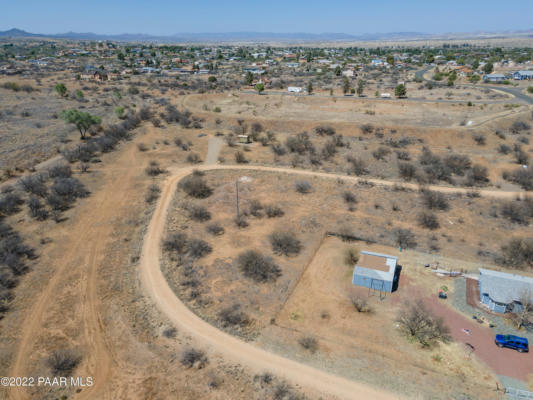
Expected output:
(237, 197)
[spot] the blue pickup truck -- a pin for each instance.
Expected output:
(518, 343)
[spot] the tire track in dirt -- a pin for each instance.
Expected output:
(94, 227)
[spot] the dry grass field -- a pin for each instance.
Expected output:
(84, 294)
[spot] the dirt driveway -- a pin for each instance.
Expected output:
(505, 362)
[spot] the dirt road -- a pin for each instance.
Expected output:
(92, 231)
(230, 347)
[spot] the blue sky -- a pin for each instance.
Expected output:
(164, 17)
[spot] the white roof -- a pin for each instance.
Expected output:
(503, 287)
(376, 273)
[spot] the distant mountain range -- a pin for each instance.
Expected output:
(228, 37)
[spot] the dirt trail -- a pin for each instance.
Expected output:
(213, 149)
(92, 231)
(230, 347)
(354, 179)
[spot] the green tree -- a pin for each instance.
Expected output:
(249, 78)
(82, 120)
(337, 71)
(121, 56)
(400, 91)
(79, 94)
(475, 64)
(259, 88)
(488, 68)
(360, 87)
(309, 88)
(119, 111)
(61, 89)
(390, 59)
(345, 85)
(475, 78)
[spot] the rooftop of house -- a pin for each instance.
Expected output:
(503, 287)
(376, 265)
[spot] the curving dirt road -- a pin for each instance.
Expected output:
(230, 347)
(92, 231)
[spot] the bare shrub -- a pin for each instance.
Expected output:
(69, 189)
(240, 158)
(152, 194)
(285, 243)
(418, 323)
(405, 238)
(520, 176)
(256, 208)
(480, 139)
(478, 175)
(10, 203)
(231, 140)
(193, 158)
(360, 303)
(175, 242)
(519, 126)
(142, 147)
(380, 153)
(407, 170)
(403, 155)
(349, 197)
(520, 155)
(198, 213)
(351, 256)
(170, 333)
(154, 169)
(196, 186)
(457, 163)
(233, 316)
(518, 253)
(60, 171)
(357, 166)
(428, 220)
(273, 211)
(193, 358)
(325, 130)
(300, 144)
(523, 316)
(215, 229)
(255, 130)
(504, 149)
(37, 209)
(303, 187)
(515, 212)
(198, 248)
(34, 184)
(309, 343)
(278, 149)
(367, 129)
(63, 362)
(241, 221)
(258, 267)
(435, 200)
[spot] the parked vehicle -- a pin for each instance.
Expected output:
(518, 343)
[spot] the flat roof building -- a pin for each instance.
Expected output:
(376, 271)
(502, 292)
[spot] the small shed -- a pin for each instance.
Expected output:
(376, 271)
(502, 292)
(244, 139)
